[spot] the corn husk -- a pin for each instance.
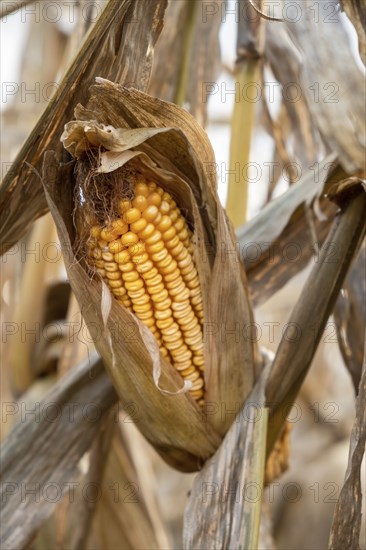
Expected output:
(131, 129)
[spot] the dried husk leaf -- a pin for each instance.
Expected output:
(131, 127)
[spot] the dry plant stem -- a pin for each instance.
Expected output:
(310, 315)
(242, 125)
(183, 76)
(44, 451)
(30, 302)
(106, 52)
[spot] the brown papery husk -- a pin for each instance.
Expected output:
(128, 127)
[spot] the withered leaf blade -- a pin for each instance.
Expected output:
(284, 223)
(199, 25)
(350, 317)
(122, 518)
(339, 83)
(37, 453)
(356, 11)
(106, 52)
(345, 532)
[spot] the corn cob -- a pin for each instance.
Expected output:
(145, 256)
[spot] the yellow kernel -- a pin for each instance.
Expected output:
(130, 276)
(144, 267)
(115, 284)
(134, 285)
(174, 345)
(95, 232)
(145, 299)
(158, 256)
(141, 189)
(99, 263)
(154, 198)
(169, 267)
(155, 237)
(129, 238)
(119, 226)
(101, 272)
(161, 304)
(185, 368)
(198, 361)
(107, 257)
(132, 215)
(147, 231)
(164, 224)
(140, 202)
(140, 258)
(161, 295)
(172, 242)
(108, 235)
(125, 268)
(156, 280)
(122, 257)
(120, 291)
(154, 248)
(164, 207)
(143, 308)
(113, 276)
(115, 246)
(179, 224)
(177, 250)
(136, 249)
(110, 266)
(124, 205)
(150, 274)
(174, 215)
(139, 225)
(172, 337)
(133, 294)
(97, 253)
(148, 314)
(150, 213)
(164, 315)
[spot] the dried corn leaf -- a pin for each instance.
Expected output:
(345, 532)
(122, 518)
(284, 225)
(350, 317)
(107, 52)
(187, 56)
(356, 11)
(332, 84)
(286, 65)
(39, 452)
